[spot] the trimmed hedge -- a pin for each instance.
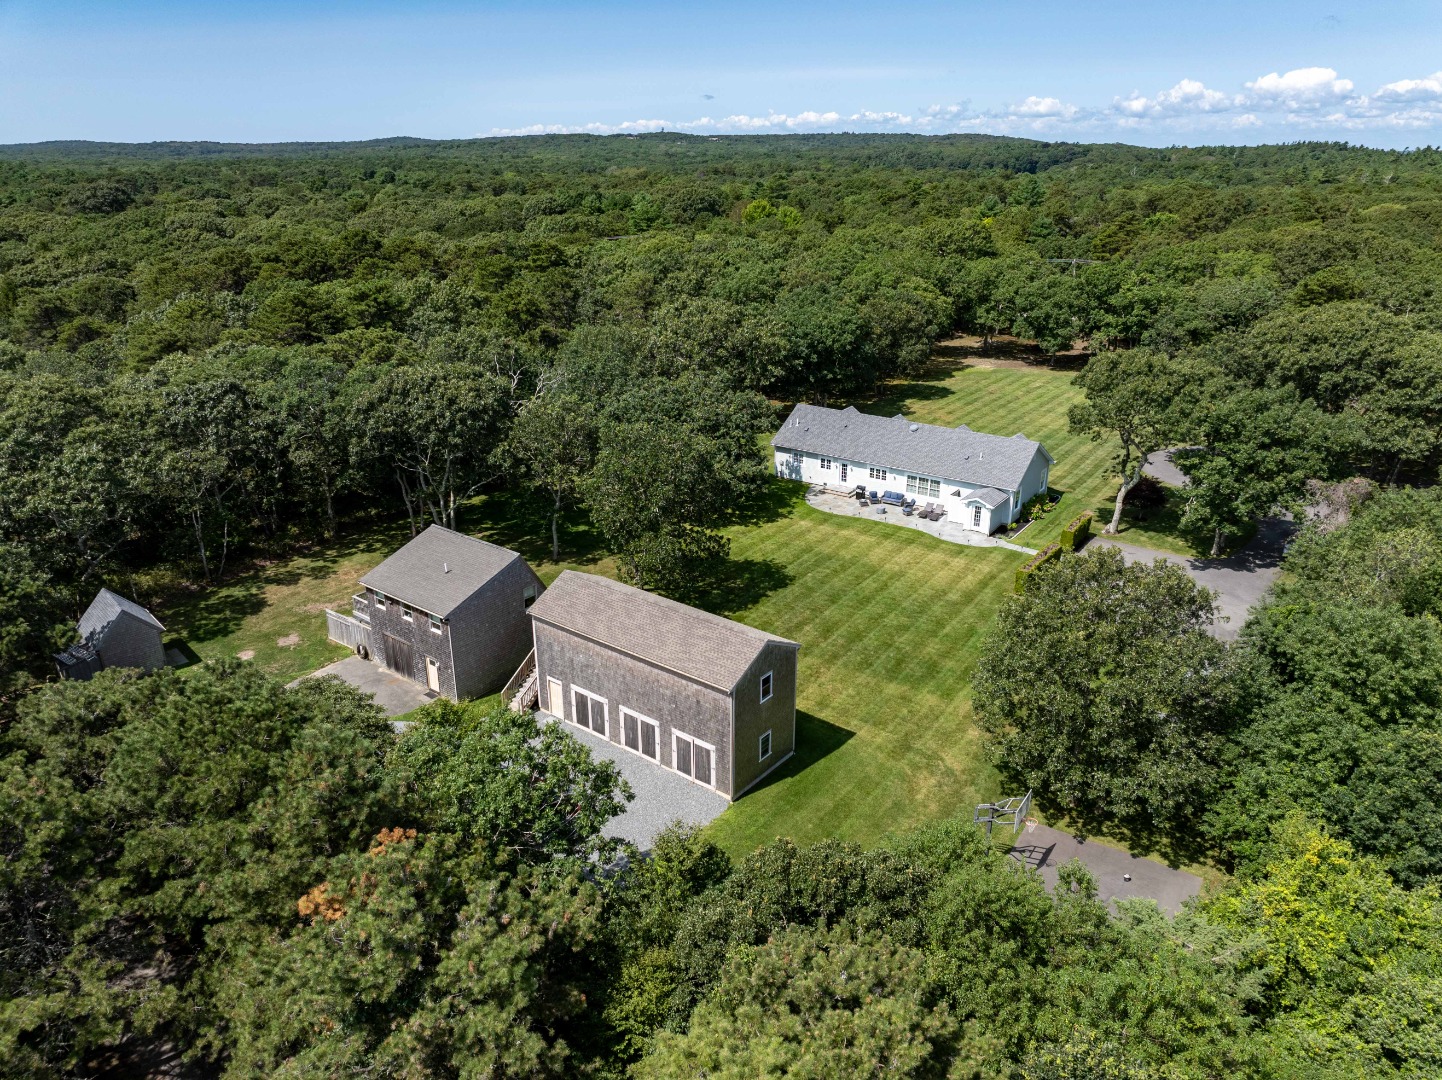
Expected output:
(1076, 534)
(1041, 558)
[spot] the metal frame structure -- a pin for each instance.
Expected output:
(1010, 811)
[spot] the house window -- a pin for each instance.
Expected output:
(767, 683)
(641, 734)
(407, 614)
(589, 711)
(826, 463)
(976, 518)
(435, 624)
(529, 596)
(380, 600)
(920, 485)
(877, 474)
(797, 457)
(693, 758)
(763, 746)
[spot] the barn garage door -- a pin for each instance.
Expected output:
(399, 657)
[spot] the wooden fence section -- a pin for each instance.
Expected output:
(348, 631)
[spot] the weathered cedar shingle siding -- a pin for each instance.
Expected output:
(753, 716)
(675, 703)
(479, 591)
(122, 633)
(691, 672)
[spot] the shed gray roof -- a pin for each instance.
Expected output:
(683, 639)
(106, 608)
(989, 497)
(439, 570)
(897, 443)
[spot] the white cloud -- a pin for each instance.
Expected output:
(1188, 96)
(1312, 99)
(1049, 107)
(1300, 88)
(1412, 89)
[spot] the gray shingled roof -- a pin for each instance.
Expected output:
(989, 497)
(683, 639)
(106, 608)
(899, 444)
(439, 570)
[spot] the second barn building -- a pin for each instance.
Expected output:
(712, 699)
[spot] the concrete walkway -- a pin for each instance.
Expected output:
(662, 796)
(391, 692)
(1045, 849)
(945, 529)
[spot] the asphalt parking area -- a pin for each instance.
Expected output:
(392, 693)
(1119, 874)
(661, 796)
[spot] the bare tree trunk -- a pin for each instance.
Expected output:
(1129, 481)
(200, 541)
(329, 514)
(1218, 536)
(406, 498)
(1396, 468)
(556, 528)
(224, 550)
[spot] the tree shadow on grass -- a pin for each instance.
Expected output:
(727, 586)
(815, 739)
(772, 501)
(1175, 847)
(219, 610)
(521, 520)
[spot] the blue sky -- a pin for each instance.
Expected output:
(1151, 73)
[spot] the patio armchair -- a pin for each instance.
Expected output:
(872, 496)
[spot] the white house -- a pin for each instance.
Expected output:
(982, 481)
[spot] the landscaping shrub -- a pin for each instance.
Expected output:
(1077, 532)
(1051, 551)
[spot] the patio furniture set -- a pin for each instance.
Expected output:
(931, 512)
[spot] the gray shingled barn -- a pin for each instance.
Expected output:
(114, 633)
(704, 696)
(449, 611)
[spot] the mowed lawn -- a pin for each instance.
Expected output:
(1034, 401)
(890, 622)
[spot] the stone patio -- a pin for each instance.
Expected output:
(945, 529)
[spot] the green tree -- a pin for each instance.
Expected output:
(554, 438)
(1132, 396)
(1101, 688)
(434, 430)
(821, 1003)
(1256, 451)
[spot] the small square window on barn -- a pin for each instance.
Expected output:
(407, 614)
(767, 683)
(763, 747)
(435, 624)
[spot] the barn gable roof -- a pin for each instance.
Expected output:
(106, 608)
(439, 570)
(707, 648)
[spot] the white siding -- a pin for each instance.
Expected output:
(809, 470)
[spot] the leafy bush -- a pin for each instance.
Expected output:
(1077, 532)
(1047, 553)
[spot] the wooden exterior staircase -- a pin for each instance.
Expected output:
(520, 694)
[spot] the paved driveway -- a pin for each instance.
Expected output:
(1240, 580)
(662, 796)
(391, 692)
(1045, 849)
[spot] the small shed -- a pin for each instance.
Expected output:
(114, 632)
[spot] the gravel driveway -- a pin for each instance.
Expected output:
(662, 796)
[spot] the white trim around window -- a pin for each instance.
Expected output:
(768, 686)
(693, 758)
(593, 702)
(435, 624)
(763, 745)
(877, 474)
(640, 734)
(826, 463)
(408, 613)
